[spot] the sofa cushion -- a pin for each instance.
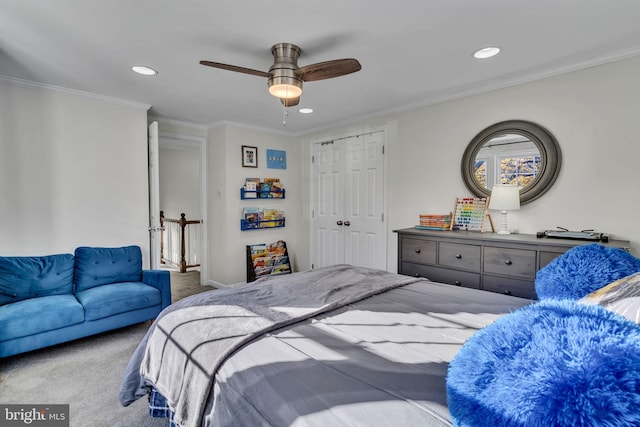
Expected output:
(36, 315)
(102, 266)
(28, 277)
(105, 301)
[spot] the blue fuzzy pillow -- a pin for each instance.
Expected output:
(554, 363)
(582, 270)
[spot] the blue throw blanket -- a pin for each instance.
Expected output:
(183, 349)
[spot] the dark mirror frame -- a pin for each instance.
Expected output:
(550, 156)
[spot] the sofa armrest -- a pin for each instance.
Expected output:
(160, 279)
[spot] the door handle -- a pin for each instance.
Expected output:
(347, 223)
(339, 222)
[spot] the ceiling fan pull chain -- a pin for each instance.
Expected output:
(285, 113)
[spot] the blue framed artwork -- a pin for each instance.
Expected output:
(276, 159)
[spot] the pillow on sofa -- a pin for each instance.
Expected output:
(102, 266)
(29, 277)
(554, 363)
(621, 297)
(583, 269)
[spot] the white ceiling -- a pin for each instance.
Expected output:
(413, 52)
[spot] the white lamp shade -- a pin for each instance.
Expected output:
(505, 197)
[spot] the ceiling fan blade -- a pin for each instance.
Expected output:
(328, 69)
(236, 68)
(290, 102)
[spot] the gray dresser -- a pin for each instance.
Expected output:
(488, 261)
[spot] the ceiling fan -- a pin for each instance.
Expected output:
(285, 77)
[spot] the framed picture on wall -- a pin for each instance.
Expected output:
(249, 157)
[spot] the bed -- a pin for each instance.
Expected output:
(337, 346)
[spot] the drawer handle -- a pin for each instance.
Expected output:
(508, 262)
(458, 256)
(417, 251)
(458, 283)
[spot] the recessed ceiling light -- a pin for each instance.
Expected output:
(486, 52)
(146, 71)
(306, 110)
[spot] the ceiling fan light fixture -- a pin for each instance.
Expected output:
(285, 87)
(285, 91)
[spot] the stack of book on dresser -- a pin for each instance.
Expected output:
(434, 222)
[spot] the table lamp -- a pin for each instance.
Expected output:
(504, 197)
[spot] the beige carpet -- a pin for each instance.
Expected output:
(185, 284)
(86, 373)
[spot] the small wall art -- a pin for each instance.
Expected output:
(249, 157)
(276, 159)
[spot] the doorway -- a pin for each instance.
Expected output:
(348, 201)
(182, 188)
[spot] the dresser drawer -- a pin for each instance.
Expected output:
(466, 257)
(442, 275)
(510, 262)
(547, 257)
(509, 286)
(418, 250)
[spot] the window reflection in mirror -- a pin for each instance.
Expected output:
(512, 152)
(507, 159)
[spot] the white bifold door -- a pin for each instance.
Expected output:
(348, 225)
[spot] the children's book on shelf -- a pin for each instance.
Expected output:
(269, 188)
(276, 190)
(267, 259)
(251, 186)
(252, 217)
(265, 189)
(258, 251)
(281, 269)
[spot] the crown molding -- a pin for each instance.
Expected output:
(21, 82)
(223, 123)
(483, 87)
(152, 117)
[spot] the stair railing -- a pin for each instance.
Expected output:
(180, 242)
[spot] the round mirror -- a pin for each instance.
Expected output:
(512, 152)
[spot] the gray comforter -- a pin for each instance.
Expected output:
(375, 361)
(183, 349)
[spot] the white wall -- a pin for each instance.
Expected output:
(179, 181)
(73, 168)
(73, 171)
(593, 113)
(227, 242)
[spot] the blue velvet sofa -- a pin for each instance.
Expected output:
(47, 300)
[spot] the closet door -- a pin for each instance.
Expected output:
(327, 225)
(364, 230)
(348, 224)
